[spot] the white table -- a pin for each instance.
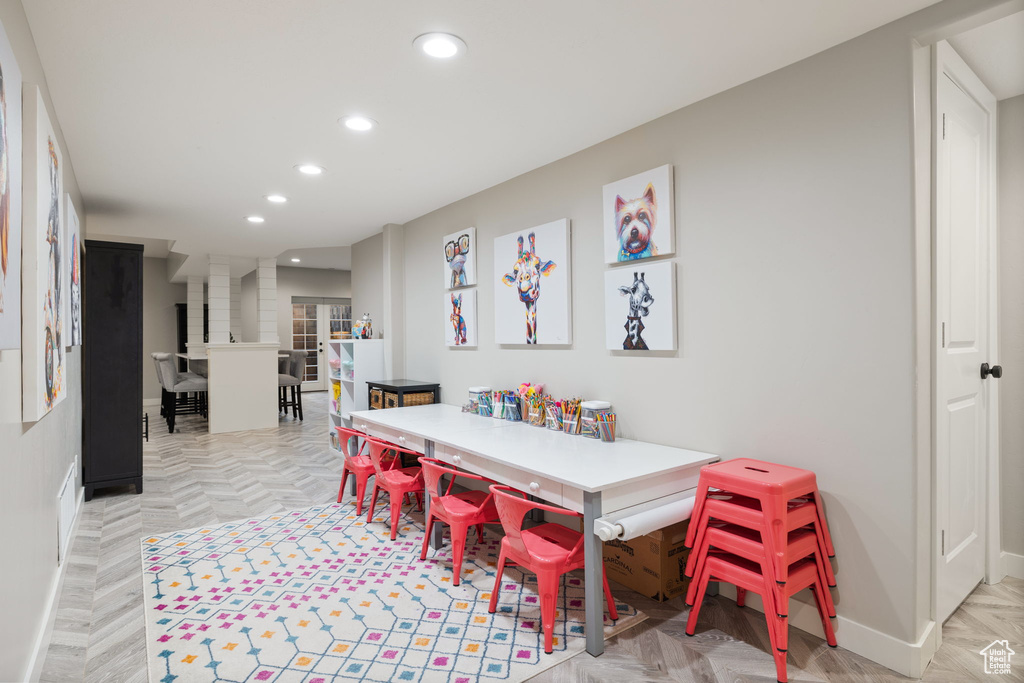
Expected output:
(581, 474)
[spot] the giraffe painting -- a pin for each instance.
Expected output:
(525, 277)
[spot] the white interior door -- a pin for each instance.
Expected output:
(963, 299)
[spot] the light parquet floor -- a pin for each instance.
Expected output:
(195, 479)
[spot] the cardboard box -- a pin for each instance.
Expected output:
(652, 565)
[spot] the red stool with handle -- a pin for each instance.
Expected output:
(746, 512)
(773, 486)
(397, 481)
(747, 576)
(548, 550)
(459, 511)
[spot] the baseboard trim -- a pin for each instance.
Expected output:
(909, 659)
(1013, 565)
(35, 665)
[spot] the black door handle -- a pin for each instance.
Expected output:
(996, 371)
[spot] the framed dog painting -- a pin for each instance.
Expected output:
(10, 197)
(460, 259)
(460, 318)
(640, 307)
(638, 216)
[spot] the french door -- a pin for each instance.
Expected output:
(315, 321)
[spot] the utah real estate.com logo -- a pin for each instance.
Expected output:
(997, 657)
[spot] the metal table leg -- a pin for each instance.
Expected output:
(435, 535)
(593, 575)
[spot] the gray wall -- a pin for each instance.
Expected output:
(291, 282)
(368, 278)
(1011, 320)
(159, 323)
(34, 457)
(795, 262)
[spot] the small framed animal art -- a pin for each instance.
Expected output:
(638, 216)
(531, 286)
(460, 318)
(640, 307)
(460, 259)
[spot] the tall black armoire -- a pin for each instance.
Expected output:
(112, 366)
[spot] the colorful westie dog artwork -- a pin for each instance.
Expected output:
(638, 216)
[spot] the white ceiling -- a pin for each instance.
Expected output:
(335, 258)
(995, 52)
(179, 117)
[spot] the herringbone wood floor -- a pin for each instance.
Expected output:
(194, 479)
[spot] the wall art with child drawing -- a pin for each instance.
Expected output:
(638, 216)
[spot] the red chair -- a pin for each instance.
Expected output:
(547, 550)
(359, 465)
(747, 576)
(397, 481)
(459, 511)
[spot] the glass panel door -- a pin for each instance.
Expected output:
(306, 336)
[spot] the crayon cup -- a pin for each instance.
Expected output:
(606, 430)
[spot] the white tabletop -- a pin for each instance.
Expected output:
(577, 461)
(194, 356)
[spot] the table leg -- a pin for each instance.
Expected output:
(435, 535)
(593, 575)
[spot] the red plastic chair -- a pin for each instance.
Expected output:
(359, 465)
(547, 550)
(397, 481)
(459, 511)
(773, 486)
(747, 576)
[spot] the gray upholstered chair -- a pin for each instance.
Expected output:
(173, 383)
(292, 378)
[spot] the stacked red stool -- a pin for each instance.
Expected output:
(760, 526)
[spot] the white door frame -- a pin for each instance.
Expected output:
(946, 61)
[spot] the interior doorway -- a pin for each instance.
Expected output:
(966, 316)
(315, 321)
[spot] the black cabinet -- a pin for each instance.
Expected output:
(112, 366)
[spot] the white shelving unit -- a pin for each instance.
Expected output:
(350, 364)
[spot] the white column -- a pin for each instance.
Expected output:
(194, 313)
(219, 294)
(236, 308)
(266, 299)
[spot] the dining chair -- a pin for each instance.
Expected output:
(173, 383)
(292, 379)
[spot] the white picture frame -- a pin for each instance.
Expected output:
(43, 378)
(640, 307)
(459, 249)
(543, 256)
(639, 216)
(73, 276)
(11, 233)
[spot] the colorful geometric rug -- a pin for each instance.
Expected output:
(317, 595)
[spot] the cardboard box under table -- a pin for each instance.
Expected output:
(652, 565)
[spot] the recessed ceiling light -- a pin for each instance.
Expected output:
(296, 260)
(359, 123)
(254, 219)
(440, 45)
(309, 169)
(277, 198)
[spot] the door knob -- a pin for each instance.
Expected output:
(996, 371)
